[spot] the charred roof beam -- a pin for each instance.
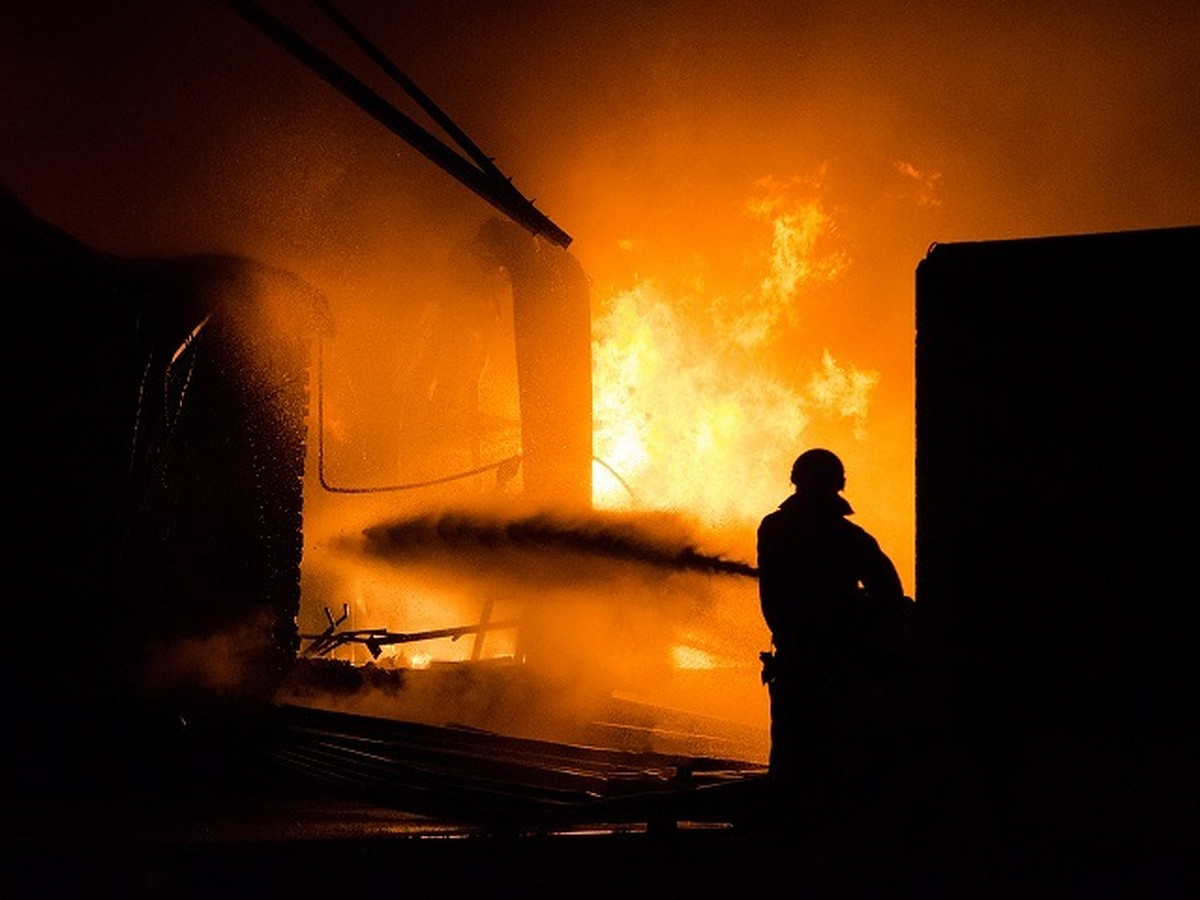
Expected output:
(478, 173)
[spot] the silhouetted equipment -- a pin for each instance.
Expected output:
(166, 433)
(375, 639)
(161, 421)
(476, 171)
(326, 636)
(1056, 495)
(164, 429)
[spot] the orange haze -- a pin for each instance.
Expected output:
(749, 186)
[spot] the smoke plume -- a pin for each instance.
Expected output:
(580, 549)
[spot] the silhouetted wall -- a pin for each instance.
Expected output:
(1056, 504)
(157, 428)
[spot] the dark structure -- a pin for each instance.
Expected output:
(1056, 498)
(160, 412)
(159, 405)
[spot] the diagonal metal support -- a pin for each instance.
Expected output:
(486, 182)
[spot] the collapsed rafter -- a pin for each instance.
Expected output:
(375, 639)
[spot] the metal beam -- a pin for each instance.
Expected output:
(490, 185)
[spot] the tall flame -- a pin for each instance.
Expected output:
(687, 416)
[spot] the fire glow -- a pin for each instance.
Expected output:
(695, 419)
(686, 416)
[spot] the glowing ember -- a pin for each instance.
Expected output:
(686, 657)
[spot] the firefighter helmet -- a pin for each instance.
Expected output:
(818, 471)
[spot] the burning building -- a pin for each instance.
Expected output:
(191, 439)
(437, 502)
(245, 525)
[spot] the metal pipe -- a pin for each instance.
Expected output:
(494, 188)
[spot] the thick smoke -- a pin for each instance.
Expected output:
(612, 626)
(582, 551)
(641, 128)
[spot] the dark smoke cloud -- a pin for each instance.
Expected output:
(572, 551)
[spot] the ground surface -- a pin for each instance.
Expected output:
(303, 842)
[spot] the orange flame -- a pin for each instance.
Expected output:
(687, 417)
